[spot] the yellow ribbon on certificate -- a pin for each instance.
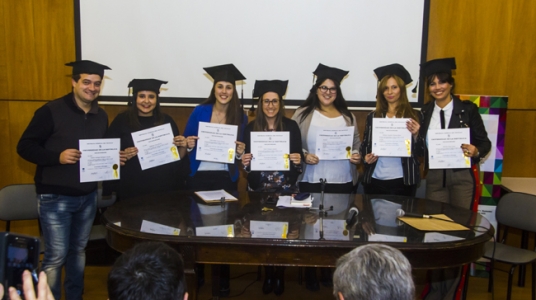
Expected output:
(176, 232)
(174, 152)
(348, 154)
(116, 174)
(286, 160)
(230, 231)
(284, 231)
(408, 146)
(231, 152)
(467, 160)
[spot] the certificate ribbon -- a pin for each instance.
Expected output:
(230, 231)
(408, 146)
(467, 160)
(286, 161)
(116, 174)
(231, 152)
(348, 154)
(284, 231)
(174, 152)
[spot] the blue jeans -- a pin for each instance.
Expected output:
(66, 222)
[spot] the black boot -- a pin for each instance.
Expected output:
(279, 286)
(268, 285)
(311, 282)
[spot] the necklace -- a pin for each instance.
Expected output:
(222, 117)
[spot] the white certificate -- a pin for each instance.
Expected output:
(155, 228)
(270, 151)
(220, 231)
(334, 230)
(99, 160)
(444, 148)
(155, 146)
(335, 143)
(391, 137)
(216, 142)
(268, 230)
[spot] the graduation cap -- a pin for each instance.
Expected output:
(323, 71)
(441, 65)
(393, 69)
(87, 67)
(228, 73)
(264, 86)
(146, 85)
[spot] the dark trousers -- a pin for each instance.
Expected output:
(334, 188)
(389, 187)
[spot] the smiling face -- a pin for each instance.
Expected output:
(270, 105)
(223, 91)
(87, 88)
(439, 90)
(146, 103)
(326, 92)
(391, 91)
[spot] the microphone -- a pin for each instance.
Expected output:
(352, 217)
(402, 213)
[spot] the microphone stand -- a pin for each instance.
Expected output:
(321, 211)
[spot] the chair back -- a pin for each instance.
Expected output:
(517, 210)
(18, 202)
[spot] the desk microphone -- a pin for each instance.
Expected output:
(402, 213)
(352, 217)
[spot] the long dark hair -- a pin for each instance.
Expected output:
(133, 120)
(442, 77)
(312, 102)
(234, 114)
(260, 123)
(403, 110)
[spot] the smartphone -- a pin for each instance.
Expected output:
(17, 253)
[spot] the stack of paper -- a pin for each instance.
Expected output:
(288, 201)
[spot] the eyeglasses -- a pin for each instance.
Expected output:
(267, 102)
(325, 89)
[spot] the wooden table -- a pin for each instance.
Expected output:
(185, 211)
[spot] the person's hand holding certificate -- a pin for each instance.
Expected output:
(444, 151)
(99, 160)
(334, 143)
(216, 142)
(391, 137)
(270, 151)
(155, 146)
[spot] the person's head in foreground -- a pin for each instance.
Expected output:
(151, 270)
(373, 271)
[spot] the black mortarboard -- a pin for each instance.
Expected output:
(146, 85)
(87, 67)
(335, 74)
(228, 73)
(441, 65)
(393, 69)
(264, 86)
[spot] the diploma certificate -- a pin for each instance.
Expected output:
(100, 159)
(391, 137)
(268, 230)
(155, 146)
(335, 143)
(444, 148)
(270, 151)
(216, 142)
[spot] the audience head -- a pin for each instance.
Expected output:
(151, 270)
(373, 271)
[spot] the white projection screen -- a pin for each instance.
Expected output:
(266, 39)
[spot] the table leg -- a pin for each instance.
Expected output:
(216, 270)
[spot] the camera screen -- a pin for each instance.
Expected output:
(18, 259)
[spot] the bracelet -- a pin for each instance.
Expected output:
(189, 149)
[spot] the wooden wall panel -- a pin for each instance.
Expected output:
(519, 158)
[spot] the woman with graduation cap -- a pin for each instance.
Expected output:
(270, 116)
(143, 113)
(221, 107)
(325, 107)
(392, 175)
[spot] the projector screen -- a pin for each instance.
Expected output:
(173, 40)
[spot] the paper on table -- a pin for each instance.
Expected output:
(219, 231)
(99, 160)
(387, 238)
(436, 237)
(391, 137)
(274, 230)
(155, 146)
(216, 142)
(286, 201)
(433, 224)
(445, 150)
(334, 143)
(215, 196)
(155, 228)
(334, 230)
(270, 151)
